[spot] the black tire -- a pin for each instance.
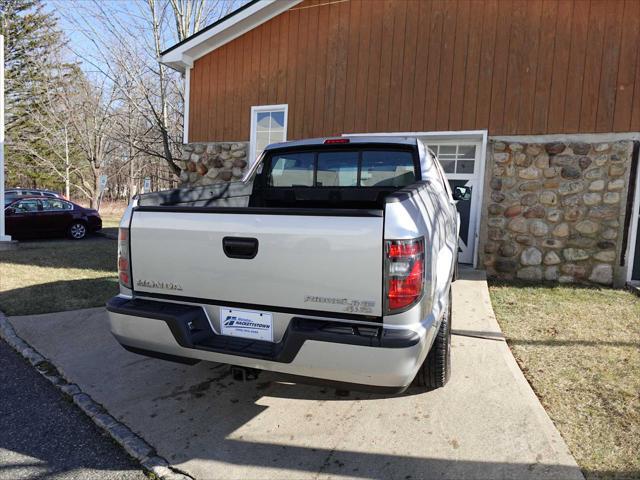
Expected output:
(77, 230)
(436, 369)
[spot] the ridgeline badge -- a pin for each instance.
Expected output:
(159, 285)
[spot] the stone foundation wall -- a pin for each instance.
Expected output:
(555, 211)
(206, 163)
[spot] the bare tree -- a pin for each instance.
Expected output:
(153, 91)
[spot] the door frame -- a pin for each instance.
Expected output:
(634, 227)
(476, 136)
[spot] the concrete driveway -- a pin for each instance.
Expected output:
(486, 423)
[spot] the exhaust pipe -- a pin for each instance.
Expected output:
(244, 374)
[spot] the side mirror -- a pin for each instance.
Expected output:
(461, 193)
(9, 211)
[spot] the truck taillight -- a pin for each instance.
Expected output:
(405, 273)
(124, 257)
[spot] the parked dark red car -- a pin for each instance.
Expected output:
(29, 217)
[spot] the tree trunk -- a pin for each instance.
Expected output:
(67, 166)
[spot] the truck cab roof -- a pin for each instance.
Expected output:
(351, 140)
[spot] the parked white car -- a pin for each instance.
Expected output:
(331, 261)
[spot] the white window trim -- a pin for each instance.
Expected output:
(252, 135)
(463, 135)
(187, 96)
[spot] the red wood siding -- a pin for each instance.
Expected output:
(509, 66)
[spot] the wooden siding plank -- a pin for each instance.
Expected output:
(375, 47)
(342, 58)
(472, 69)
(446, 65)
(577, 54)
(635, 109)
(422, 63)
(311, 71)
(274, 47)
(228, 96)
(433, 65)
(397, 67)
(609, 68)
(500, 62)
(196, 100)
(318, 92)
(386, 54)
(244, 81)
(410, 40)
(283, 59)
(486, 74)
(214, 112)
(544, 71)
(236, 56)
(515, 68)
(355, 88)
(530, 66)
(593, 65)
(560, 70)
(334, 47)
(301, 74)
(461, 49)
(627, 66)
(292, 71)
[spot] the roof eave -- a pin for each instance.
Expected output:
(181, 56)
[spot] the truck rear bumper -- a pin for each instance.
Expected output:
(344, 352)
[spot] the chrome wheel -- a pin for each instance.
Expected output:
(78, 231)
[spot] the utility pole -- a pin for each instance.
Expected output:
(3, 238)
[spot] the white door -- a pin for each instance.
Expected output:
(460, 161)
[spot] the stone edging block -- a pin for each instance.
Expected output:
(135, 446)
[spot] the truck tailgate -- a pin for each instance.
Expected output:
(311, 262)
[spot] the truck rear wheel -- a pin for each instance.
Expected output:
(436, 369)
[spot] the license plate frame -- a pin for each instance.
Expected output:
(247, 324)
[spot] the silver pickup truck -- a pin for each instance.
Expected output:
(332, 260)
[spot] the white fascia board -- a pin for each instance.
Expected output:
(182, 57)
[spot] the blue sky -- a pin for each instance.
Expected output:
(128, 11)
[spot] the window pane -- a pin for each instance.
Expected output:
(292, 170)
(263, 120)
(337, 169)
(276, 136)
(448, 166)
(28, 206)
(51, 204)
(465, 166)
(447, 149)
(385, 168)
(434, 148)
(467, 151)
(277, 119)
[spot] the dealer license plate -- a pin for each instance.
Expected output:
(246, 324)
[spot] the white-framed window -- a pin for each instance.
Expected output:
(268, 125)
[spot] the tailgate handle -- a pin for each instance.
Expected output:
(240, 247)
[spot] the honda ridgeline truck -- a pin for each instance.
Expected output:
(332, 260)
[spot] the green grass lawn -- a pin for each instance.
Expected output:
(58, 274)
(580, 350)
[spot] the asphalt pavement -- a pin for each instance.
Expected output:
(44, 435)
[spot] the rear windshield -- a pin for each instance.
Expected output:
(365, 168)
